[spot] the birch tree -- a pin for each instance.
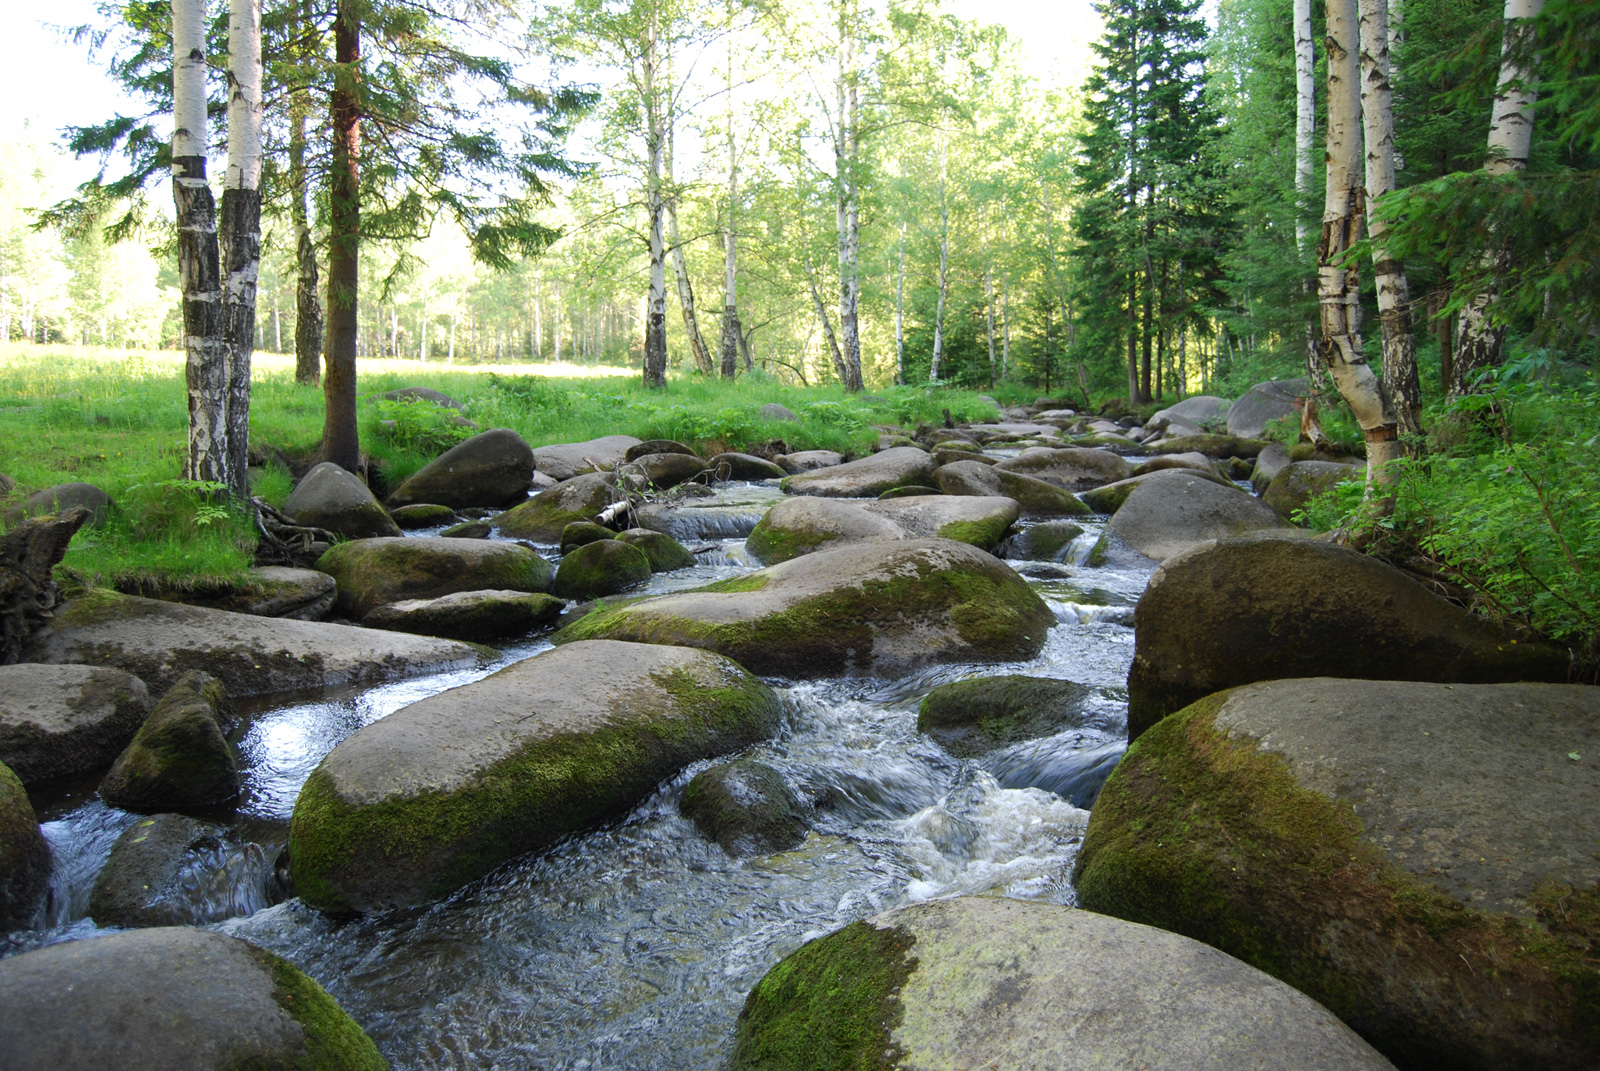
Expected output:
(847, 164)
(240, 239)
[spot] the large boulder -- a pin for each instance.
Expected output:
(1213, 446)
(372, 572)
(1168, 512)
(736, 466)
(142, 882)
(974, 716)
(491, 469)
(1265, 402)
(746, 807)
(158, 641)
(280, 591)
(802, 525)
(809, 461)
(445, 790)
(1034, 498)
(866, 477)
(24, 855)
(1196, 411)
(664, 552)
(1422, 858)
(174, 998)
(475, 616)
(1243, 610)
(985, 982)
(333, 498)
(1070, 468)
(56, 721)
(664, 470)
(1109, 499)
(983, 522)
(61, 498)
(1194, 460)
(563, 461)
(879, 608)
(595, 570)
(544, 516)
(656, 446)
(180, 757)
(1273, 459)
(1300, 481)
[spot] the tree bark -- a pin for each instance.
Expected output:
(205, 341)
(655, 332)
(822, 317)
(1510, 139)
(680, 272)
(307, 306)
(944, 265)
(340, 442)
(848, 214)
(1389, 275)
(29, 553)
(900, 311)
(1338, 283)
(1305, 128)
(240, 239)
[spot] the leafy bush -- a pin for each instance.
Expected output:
(417, 425)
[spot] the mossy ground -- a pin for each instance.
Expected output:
(334, 1042)
(1205, 835)
(831, 1005)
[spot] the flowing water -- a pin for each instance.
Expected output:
(633, 946)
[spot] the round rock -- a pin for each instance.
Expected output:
(1070, 468)
(141, 883)
(330, 497)
(544, 516)
(971, 717)
(56, 721)
(664, 552)
(563, 461)
(598, 569)
(475, 616)
(743, 467)
(1169, 512)
(493, 469)
(809, 461)
(746, 807)
(423, 515)
(1263, 403)
(867, 477)
(179, 757)
(24, 855)
(375, 572)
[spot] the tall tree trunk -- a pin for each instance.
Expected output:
(1005, 324)
(1133, 338)
(1510, 138)
(680, 272)
(239, 243)
(900, 311)
(1389, 275)
(732, 331)
(988, 295)
(340, 443)
(822, 317)
(944, 264)
(655, 332)
(848, 213)
(1339, 283)
(1305, 128)
(205, 341)
(307, 306)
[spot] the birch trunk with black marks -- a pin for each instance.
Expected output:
(900, 311)
(847, 146)
(1305, 129)
(732, 330)
(655, 330)
(239, 244)
(205, 343)
(944, 264)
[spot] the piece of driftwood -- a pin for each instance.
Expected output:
(29, 554)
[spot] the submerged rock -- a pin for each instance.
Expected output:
(1423, 858)
(141, 883)
(865, 608)
(546, 515)
(330, 497)
(971, 717)
(981, 982)
(446, 789)
(866, 477)
(179, 757)
(1244, 610)
(1046, 541)
(158, 641)
(375, 572)
(664, 552)
(56, 721)
(1168, 512)
(475, 616)
(24, 855)
(174, 997)
(598, 569)
(746, 807)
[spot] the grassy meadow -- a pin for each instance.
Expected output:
(118, 420)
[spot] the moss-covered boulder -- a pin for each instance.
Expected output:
(1046, 541)
(374, 572)
(594, 570)
(468, 530)
(866, 477)
(142, 882)
(1168, 512)
(446, 789)
(24, 855)
(1422, 858)
(180, 756)
(563, 461)
(333, 498)
(1271, 461)
(1034, 498)
(56, 721)
(1109, 499)
(1213, 446)
(804, 525)
(581, 533)
(972, 717)
(909, 491)
(1238, 611)
(544, 516)
(656, 446)
(1070, 468)
(737, 466)
(745, 806)
(664, 552)
(1300, 481)
(945, 455)
(474, 616)
(173, 997)
(159, 641)
(881, 608)
(982, 982)
(1264, 403)
(980, 521)
(423, 515)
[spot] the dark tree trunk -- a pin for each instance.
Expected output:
(28, 555)
(340, 443)
(307, 308)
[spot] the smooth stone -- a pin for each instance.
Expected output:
(57, 721)
(332, 498)
(1070, 468)
(1235, 611)
(866, 477)
(595, 570)
(868, 608)
(744, 467)
(581, 533)
(809, 461)
(666, 470)
(1012, 985)
(1263, 403)
(468, 530)
(775, 411)
(63, 497)
(746, 807)
(565, 460)
(980, 521)
(909, 491)
(493, 469)
(1194, 411)
(157, 641)
(421, 394)
(423, 515)
(281, 591)
(655, 446)
(1013, 430)
(1171, 511)
(1424, 858)
(172, 998)
(438, 793)
(475, 616)
(1109, 499)
(1045, 541)
(1220, 447)
(179, 758)
(805, 524)
(972, 717)
(1193, 460)
(1273, 459)
(141, 883)
(664, 553)
(944, 456)
(1034, 498)
(544, 516)
(376, 572)
(24, 856)
(1300, 481)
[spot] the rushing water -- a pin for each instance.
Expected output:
(634, 945)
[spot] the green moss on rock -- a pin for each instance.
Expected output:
(334, 1042)
(831, 1005)
(984, 533)
(24, 855)
(974, 716)
(602, 568)
(769, 544)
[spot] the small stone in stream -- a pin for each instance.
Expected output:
(975, 716)
(664, 552)
(422, 515)
(468, 530)
(598, 569)
(746, 807)
(581, 533)
(475, 616)
(141, 883)
(179, 757)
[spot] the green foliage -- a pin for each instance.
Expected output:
(415, 425)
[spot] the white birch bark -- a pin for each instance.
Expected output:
(944, 263)
(655, 332)
(900, 311)
(822, 318)
(240, 237)
(847, 144)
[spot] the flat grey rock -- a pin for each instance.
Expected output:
(1071, 468)
(866, 477)
(1169, 512)
(563, 461)
(56, 721)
